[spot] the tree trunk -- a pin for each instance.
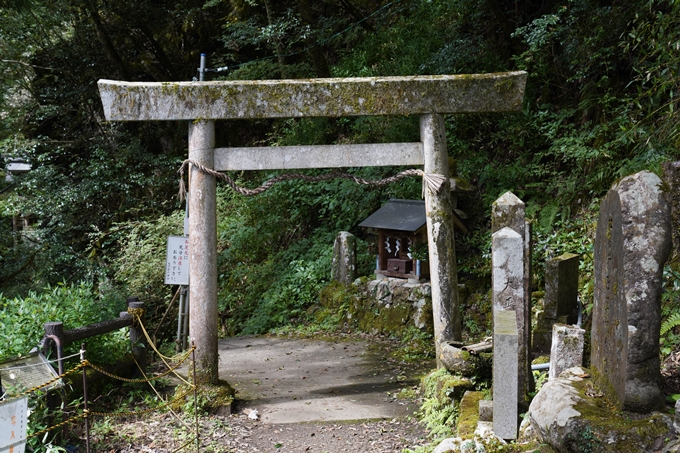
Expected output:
(109, 49)
(318, 57)
(279, 46)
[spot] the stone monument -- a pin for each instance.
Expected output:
(508, 211)
(632, 243)
(344, 265)
(560, 303)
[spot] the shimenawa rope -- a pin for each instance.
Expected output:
(433, 182)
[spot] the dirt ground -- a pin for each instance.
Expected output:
(237, 433)
(349, 394)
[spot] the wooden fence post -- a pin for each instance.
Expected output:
(136, 334)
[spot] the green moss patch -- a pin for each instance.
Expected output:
(468, 414)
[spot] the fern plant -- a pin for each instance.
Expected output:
(670, 311)
(670, 323)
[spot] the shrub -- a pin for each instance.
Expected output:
(22, 320)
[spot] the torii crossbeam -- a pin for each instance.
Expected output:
(204, 102)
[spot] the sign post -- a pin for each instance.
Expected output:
(177, 273)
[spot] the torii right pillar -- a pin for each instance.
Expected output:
(441, 245)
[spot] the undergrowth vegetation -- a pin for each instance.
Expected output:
(22, 320)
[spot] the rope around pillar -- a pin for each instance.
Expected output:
(433, 182)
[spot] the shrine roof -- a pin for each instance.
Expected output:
(398, 215)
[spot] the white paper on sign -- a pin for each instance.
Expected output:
(177, 261)
(13, 425)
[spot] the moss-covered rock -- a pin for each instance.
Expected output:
(571, 414)
(445, 387)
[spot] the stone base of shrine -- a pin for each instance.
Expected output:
(392, 304)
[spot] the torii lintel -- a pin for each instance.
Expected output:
(332, 97)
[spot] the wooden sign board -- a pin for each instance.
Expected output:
(177, 261)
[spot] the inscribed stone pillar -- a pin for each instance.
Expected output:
(505, 374)
(646, 231)
(609, 344)
(507, 275)
(509, 211)
(442, 252)
(203, 315)
(567, 348)
(344, 263)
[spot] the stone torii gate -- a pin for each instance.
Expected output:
(204, 102)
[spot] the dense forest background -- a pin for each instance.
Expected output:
(600, 103)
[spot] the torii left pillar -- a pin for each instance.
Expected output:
(203, 250)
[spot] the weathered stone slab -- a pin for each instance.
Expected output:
(567, 348)
(413, 95)
(647, 244)
(344, 264)
(505, 374)
(632, 244)
(610, 320)
(318, 156)
(561, 287)
(486, 410)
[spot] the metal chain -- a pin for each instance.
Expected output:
(58, 425)
(137, 315)
(138, 380)
(142, 411)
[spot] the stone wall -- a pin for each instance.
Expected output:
(388, 305)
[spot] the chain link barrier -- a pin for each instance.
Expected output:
(140, 380)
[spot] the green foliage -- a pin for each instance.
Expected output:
(438, 412)
(140, 265)
(41, 416)
(290, 295)
(22, 320)
(670, 311)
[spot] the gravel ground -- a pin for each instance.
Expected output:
(162, 433)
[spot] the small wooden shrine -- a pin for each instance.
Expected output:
(402, 238)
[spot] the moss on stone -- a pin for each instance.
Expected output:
(605, 429)
(541, 359)
(468, 414)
